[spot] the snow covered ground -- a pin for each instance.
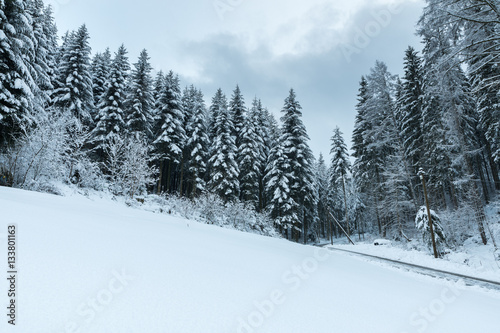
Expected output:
(99, 266)
(473, 258)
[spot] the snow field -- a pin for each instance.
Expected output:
(99, 266)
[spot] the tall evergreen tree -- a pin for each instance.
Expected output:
(101, 66)
(340, 168)
(282, 206)
(111, 107)
(379, 112)
(139, 103)
(262, 144)
(322, 184)
(172, 136)
(340, 156)
(212, 118)
(158, 84)
(300, 159)
(410, 105)
(74, 92)
(249, 162)
(188, 100)
(238, 111)
(45, 45)
(224, 168)
(17, 85)
(197, 143)
(484, 71)
(361, 126)
(379, 135)
(376, 140)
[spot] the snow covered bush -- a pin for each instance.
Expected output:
(127, 165)
(209, 208)
(50, 152)
(36, 156)
(422, 224)
(458, 233)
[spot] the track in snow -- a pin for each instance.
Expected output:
(438, 273)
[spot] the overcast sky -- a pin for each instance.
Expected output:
(320, 48)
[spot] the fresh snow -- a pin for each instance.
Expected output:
(473, 259)
(380, 241)
(95, 265)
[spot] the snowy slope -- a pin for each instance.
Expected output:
(98, 266)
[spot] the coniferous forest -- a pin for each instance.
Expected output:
(106, 121)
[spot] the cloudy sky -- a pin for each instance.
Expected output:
(318, 47)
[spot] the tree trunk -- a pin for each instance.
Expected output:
(493, 167)
(194, 185)
(160, 177)
(261, 196)
(345, 203)
(182, 176)
(477, 204)
(378, 216)
(330, 231)
(453, 196)
(483, 180)
(169, 176)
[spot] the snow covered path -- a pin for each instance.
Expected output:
(97, 266)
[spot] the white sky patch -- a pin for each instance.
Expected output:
(286, 27)
(294, 27)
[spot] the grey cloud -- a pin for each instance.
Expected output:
(326, 84)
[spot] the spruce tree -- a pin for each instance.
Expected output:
(139, 103)
(382, 133)
(189, 95)
(172, 136)
(58, 57)
(238, 111)
(101, 66)
(45, 45)
(410, 103)
(484, 73)
(375, 136)
(257, 117)
(340, 168)
(249, 162)
(340, 156)
(197, 143)
(74, 92)
(359, 146)
(111, 107)
(299, 158)
(17, 85)
(282, 206)
(379, 113)
(213, 114)
(322, 184)
(224, 171)
(158, 84)
(188, 106)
